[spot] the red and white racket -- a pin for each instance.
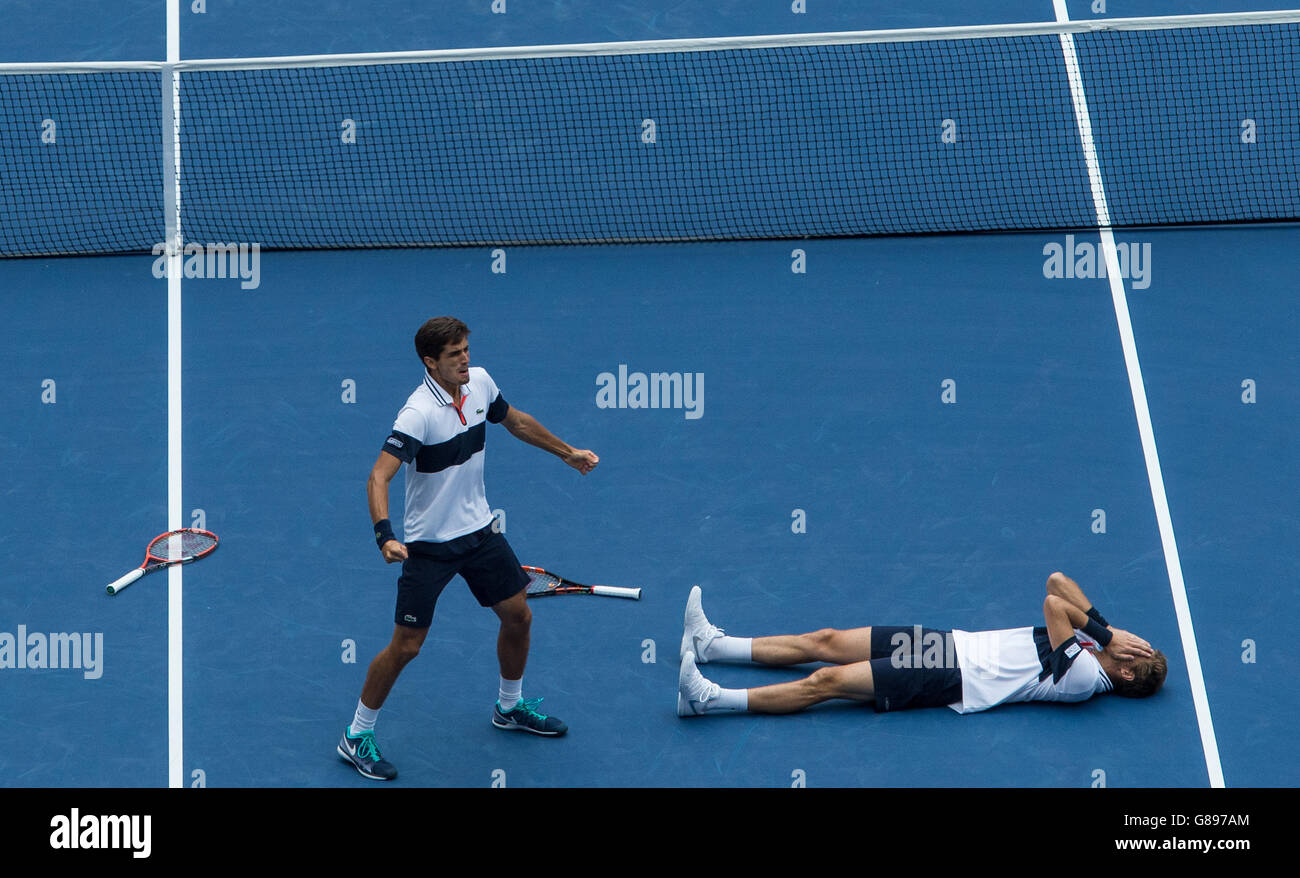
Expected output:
(173, 547)
(542, 584)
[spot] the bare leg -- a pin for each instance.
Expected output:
(826, 645)
(514, 637)
(386, 666)
(852, 681)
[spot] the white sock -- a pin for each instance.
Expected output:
(364, 721)
(731, 699)
(509, 693)
(730, 649)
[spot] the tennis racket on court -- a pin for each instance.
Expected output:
(543, 584)
(173, 547)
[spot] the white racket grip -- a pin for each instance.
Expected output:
(611, 591)
(122, 583)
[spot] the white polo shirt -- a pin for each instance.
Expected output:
(1001, 667)
(443, 449)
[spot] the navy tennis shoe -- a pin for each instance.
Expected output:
(363, 753)
(525, 717)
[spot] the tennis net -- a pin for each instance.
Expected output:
(1196, 119)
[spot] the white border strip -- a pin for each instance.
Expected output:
(47, 67)
(1146, 431)
(170, 79)
(707, 44)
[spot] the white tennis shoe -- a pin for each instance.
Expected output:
(697, 632)
(694, 692)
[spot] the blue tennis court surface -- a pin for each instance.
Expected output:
(880, 431)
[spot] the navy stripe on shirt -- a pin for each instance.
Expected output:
(455, 451)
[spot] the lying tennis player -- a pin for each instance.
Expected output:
(1076, 656)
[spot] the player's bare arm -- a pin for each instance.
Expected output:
(381, 474)
(526, 428)
(1063, 586)
(1124, 644)
(1062, 617)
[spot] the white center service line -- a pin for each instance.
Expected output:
(1163, 518)
(175, 509)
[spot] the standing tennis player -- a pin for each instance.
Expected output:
(439, 435)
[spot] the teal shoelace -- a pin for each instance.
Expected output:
(529, 706)
(368, 749)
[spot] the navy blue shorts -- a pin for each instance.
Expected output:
(483, 558)
(913, 667)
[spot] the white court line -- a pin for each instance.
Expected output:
(1163, 518)
(170, 81)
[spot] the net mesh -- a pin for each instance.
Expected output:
(1193, 125)
(80, 163)
(1197, 126)
(828, 140)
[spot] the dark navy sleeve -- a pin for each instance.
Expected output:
(497, 412)
(1057, 662)
(401, 446)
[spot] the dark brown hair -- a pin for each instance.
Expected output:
(1148, 677)
(436, 334)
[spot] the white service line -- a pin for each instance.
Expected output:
(175, 509)
(1164, 520)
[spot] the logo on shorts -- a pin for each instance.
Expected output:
(409, 618)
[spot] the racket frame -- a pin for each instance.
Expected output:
(568, 586)
(117, 585)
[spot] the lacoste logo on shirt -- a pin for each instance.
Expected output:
(479, 412)
(408, 617)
